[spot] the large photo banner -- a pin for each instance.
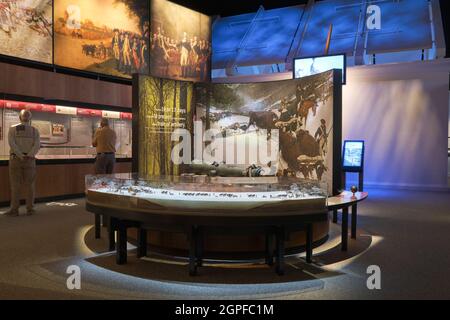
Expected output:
(295, 115)
(180, 42)
(160, 106)
(26, 29)
(109, 37)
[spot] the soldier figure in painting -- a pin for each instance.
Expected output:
(143, 55)
(116, 47)
(184, 61)
(126, 50)
(321, 136)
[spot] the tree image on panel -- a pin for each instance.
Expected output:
(164, 105)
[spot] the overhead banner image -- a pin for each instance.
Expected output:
(109, 37)
(180, 42)
(26, 29)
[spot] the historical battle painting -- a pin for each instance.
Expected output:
(180, 42)
(109, 37)
(297, 113)
(164, 106)
(26, 28)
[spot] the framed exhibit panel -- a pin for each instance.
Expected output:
(180, 42)
(307, 66)
(107, 37)
(160, 106)
(66, 132)
(298, 120)
(26, 30)
(353, 156)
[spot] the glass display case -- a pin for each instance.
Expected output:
(200, 192)
(66, 132)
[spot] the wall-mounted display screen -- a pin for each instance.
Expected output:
(66, 132)
(108, 37)
(26, 28)
(180, 42)
(353, 158)
(304, 67)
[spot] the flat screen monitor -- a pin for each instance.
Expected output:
(353, 159)
(312, 65)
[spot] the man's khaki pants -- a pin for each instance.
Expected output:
(22, 172)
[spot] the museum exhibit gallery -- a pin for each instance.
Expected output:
(262, 150)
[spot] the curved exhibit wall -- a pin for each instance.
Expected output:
(401, 111)
(302, 117)
(295, 116)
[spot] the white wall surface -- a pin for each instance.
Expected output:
(402, 112)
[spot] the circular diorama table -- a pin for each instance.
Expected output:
(276, 225)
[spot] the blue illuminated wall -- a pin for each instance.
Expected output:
(263, 37)
(270, 39)
(405, 25)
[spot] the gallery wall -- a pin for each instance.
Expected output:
(401, 111)
(30, 82)
(111, 39)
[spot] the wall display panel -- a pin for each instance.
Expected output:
(299, 113)
(26, 28)
(109, 37)
(180, 42)
(160, 107)
(66, 132)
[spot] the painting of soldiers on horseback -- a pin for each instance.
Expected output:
(108, 37)
(298, 112)
(26, 29)
(181, 47)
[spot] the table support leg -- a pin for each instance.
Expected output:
(104, 221)
(112, 233)
(199, 255)
(344, 233)
(335, 216)
(309, 242)
(142, 243)
(269, 248)
(280, 251)
(97, 226)
(121, 247)
(354, 220)
(192, 251)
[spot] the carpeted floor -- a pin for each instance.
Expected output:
(405, 233)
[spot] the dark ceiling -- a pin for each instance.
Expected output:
(234, 7)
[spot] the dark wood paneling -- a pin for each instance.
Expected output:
(57, 179)
(19, 80)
